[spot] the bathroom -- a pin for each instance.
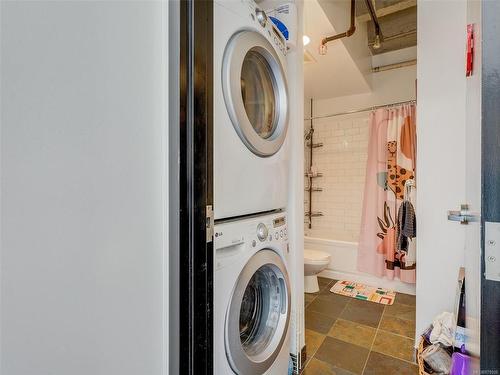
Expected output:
(348, 91)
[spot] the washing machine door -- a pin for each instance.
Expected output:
(258, 315)
(255, 92)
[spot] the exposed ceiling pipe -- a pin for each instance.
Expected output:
(396, 36)
(403, 64)
(378, 32)
(348, 33)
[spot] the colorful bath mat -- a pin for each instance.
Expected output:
(364, 292)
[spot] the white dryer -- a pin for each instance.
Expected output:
(250, 111)
(252, 297)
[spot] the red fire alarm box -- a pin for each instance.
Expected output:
(470, 50)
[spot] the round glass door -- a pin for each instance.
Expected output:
(255, 92)
(258, 93)
(258, 314)
(260, 310)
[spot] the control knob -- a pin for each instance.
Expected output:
(262, 232)
(261, 17)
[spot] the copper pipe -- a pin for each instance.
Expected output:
(403, 64)
(373, 15)
(347, 33)
(396, 36)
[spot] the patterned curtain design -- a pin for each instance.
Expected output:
(391, 162)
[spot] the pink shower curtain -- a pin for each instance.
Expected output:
(391, 161)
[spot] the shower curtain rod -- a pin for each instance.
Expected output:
(362, 110)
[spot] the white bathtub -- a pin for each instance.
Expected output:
(343, 263)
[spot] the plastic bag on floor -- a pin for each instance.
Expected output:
(437, 358)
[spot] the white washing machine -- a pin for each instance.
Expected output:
(250, 111)
(252, 296)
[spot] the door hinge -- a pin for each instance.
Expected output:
(463, 216)
(210, 223)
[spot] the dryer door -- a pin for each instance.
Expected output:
(255, 92)
(258, 314)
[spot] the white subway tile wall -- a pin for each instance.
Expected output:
(342, 161)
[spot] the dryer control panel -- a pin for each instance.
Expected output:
(262, 21)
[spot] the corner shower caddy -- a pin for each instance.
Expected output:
(310, 174)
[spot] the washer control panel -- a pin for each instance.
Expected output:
(233, 239)
(262, 232)
(274, 230)
(251, 232)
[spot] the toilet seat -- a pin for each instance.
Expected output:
(315, 256)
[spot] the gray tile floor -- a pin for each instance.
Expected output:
(345, 336)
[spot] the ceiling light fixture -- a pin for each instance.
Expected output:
(376, 43)
(305, 40)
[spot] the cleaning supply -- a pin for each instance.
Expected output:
(460, 364)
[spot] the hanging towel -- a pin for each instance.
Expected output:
(406, 225)
(411, 254)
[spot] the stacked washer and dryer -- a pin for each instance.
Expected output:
(252, 289)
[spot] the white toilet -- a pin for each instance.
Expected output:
(314, 262)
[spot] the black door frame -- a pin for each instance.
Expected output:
(490, 185)
(191, 186)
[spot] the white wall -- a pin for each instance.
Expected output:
(387, 87)
(440, 156)
(339, 14)
(83, 188)
(347, 60)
